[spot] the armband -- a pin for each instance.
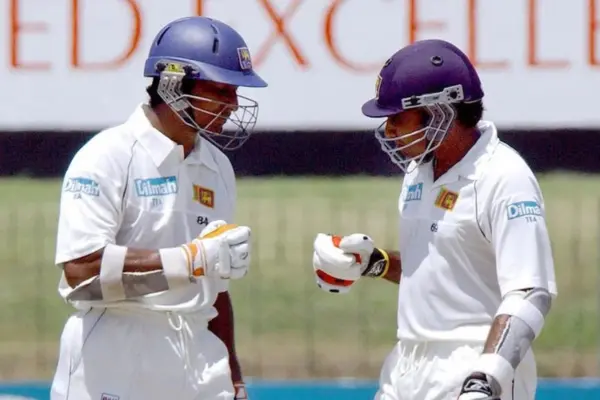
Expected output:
(111, 272)
(379, 264)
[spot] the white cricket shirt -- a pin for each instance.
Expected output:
(131, 186)
(467, 239)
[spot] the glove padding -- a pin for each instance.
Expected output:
(479, 386)
(338, 262)
(221, 250)
(240, 391)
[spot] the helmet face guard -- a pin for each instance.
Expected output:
(228, 129)
(442, 114)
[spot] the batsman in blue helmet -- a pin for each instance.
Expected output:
(146, 239)
(474, 263)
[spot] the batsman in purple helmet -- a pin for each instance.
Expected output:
(146, 240)
(474, 263)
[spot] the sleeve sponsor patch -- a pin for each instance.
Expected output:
(81, 186)
(523, 209)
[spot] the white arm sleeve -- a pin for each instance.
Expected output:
(90, 205)
(518, 233)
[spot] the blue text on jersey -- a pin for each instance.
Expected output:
(414, 192)
(523, 209)
(162, 186)
(82, 185)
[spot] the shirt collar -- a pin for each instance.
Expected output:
(160, 147)
(485, 146)
(203, 154)
(469, 166)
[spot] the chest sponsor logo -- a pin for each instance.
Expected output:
(413, 192)
(152, 187)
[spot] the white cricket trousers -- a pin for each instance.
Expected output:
(436, 371)
(116, 354)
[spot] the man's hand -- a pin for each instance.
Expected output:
(221, 250)
(338, 262)
(479, 386)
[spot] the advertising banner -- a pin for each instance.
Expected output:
(77, 64)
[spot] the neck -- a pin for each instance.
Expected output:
(445, 160)
(162, 122)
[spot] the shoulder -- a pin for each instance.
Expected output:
(507, 173)
(100, 166)
(106, 152)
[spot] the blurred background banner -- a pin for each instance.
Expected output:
(76, 64)
(72, 67)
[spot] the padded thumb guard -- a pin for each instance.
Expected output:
(237, 235)
(215, 228)
(358, 244)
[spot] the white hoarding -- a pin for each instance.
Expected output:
(77, 64)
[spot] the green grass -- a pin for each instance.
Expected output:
(286, 327)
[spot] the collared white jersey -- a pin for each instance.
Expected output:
(131, 186)
(467, 239)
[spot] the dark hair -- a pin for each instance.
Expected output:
(155, 99)
(469, 114)
(152, 90)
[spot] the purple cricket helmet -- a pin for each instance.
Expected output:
(432, 74)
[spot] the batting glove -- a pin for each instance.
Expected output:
(338, 262)
(479, 386)
(240, 391)
(221, 250)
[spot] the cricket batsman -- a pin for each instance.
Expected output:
(474, 266)
(145, 235)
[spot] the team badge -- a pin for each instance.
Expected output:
(204, 196)
(377, 86)
(446, 199)
(244, 58)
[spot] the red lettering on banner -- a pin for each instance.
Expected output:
(414, 25)
(17, 28)
(134, 39)
(280, 32)
(22, 29)
(199, 7)
(472, 41)
(334, 49)
(532, 56)
(593, 24)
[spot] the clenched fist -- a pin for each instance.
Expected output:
(222, 250)
(338, 262)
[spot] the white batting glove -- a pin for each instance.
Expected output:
(221, 250)
(479, 386)
(240, 391)
(338, 262)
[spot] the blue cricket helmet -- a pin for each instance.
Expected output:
(201, 48)
(214, 51)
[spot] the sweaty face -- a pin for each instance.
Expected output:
(404, 127)
(213, 104)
